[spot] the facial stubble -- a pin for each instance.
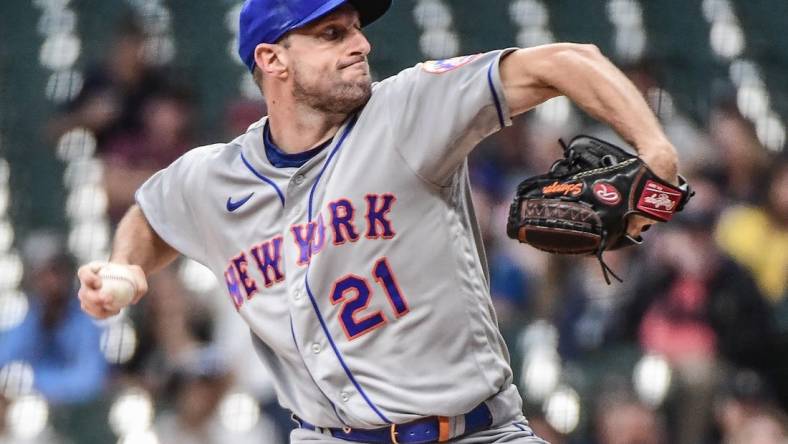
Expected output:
(336, 97)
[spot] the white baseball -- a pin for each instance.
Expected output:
(118, 282)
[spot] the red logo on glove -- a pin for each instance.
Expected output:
(606, 193)
(659, 200)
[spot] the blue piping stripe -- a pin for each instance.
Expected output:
(263, 178)
(339, 355)
(312, 299)
(495, 94)
(525, 428)
(292, 333)
(347, 131)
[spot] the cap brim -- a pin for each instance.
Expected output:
(319, 12)
(368, 11)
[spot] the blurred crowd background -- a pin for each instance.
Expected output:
(96, 95)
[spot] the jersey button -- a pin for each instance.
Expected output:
(344, 396)
(315, 348)
(299, 179)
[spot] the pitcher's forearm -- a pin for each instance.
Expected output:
(608, 95)
(590, 80)
(136, 243)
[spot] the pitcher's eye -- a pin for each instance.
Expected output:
(331, 33)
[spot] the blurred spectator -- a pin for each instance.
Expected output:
(172, 326)
(56, 337)
(693, 304)
(141, 121)
(240, 114)
(544, 430)
(541, 149)
(763, 428)
(742, 159)
(742, 396)
(622, 419)
(502, 158)
(757, 236)
(587, 308)
(112, 97)
(509, 283)
(198, 388)
(132, 156)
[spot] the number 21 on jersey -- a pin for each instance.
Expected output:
(355, 294)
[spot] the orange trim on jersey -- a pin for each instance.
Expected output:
(380, 282)
(344, 300)
(344, 224)
(373, 227)
(233, 282)
(318, 229)
(301, 232)
(242, 268)
(269, 259)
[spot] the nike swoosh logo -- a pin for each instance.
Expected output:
(232, 206)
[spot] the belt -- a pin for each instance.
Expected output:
(421, 431)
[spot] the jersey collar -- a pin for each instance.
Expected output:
(281, 159)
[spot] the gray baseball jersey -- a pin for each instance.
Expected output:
(361, 273)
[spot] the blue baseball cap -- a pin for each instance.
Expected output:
(266, 21)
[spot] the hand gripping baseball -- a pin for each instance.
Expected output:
(106, 288)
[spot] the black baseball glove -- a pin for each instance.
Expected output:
(581, 206)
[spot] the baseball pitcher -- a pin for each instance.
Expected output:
(342, 228)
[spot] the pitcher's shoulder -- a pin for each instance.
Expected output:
(206, 159)
(208, 153)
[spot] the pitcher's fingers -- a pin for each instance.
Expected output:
(98, 311)
(141, 281)
(638, 224)
(92, 297)
(88, 274)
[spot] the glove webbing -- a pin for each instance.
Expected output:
(606, 270)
